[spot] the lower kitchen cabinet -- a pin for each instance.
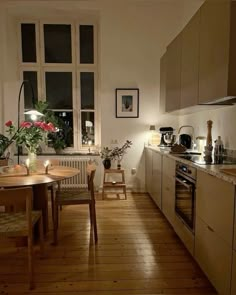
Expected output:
(184, 233)
(214, 256)
(214, 229)
(233, 282)
(156, 177)
(148, 160)
(168, 189)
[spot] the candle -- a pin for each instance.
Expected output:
(27, 165)
(89, 143)
(46, 165)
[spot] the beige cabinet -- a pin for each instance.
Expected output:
(214, 229)
(162, 104)
(190, 62)
(173, 74)
(156, 177)
(214, 256)
(233, 282)
(217, 56)
(148, 166)
(168, 188)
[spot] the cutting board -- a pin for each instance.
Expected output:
(230, 171)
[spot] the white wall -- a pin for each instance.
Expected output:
(133, 36)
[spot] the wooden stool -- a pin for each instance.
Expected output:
(114, 184)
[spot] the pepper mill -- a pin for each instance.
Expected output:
(209, 136)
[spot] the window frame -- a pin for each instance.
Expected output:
(41, 67)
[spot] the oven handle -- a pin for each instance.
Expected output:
(189, 186)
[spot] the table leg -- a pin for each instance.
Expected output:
(41, 203)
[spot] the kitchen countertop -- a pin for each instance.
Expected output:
(213, 170)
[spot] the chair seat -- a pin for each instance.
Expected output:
(16, 223)
(69, 197)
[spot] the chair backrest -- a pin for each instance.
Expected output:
(18, 199)
(91, 169)
(3, 162)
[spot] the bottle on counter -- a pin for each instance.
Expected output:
(219, 147)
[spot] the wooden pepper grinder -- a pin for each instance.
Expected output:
(209, 136)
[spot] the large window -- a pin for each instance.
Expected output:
(59, 59)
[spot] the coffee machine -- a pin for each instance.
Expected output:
(167, 136)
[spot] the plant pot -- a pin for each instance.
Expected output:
(107, 163)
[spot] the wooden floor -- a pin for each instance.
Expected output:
(137, 253)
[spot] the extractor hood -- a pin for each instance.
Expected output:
(227, 101)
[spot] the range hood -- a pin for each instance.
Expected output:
(227, 101)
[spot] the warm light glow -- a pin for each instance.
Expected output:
(90, 142)
(27, 163)
(46, 163)
(33, 117)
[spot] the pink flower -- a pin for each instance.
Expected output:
(38, 124)
(51, 127)
(9, 123)
(26, 124)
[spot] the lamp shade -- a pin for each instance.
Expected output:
(152, 127)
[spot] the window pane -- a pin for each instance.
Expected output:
(59, 90)
(86, 44)
(87, 90)
(87, 126)
(28, 41)
(65, 128)
(57, 42)
(28, 95)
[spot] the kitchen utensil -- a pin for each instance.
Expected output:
(167, 136)
(186, 140)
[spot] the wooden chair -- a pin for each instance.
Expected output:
(20, 221)
(76, 197)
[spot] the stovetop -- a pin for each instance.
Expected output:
(209, 160)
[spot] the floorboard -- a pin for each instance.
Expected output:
(137, 253)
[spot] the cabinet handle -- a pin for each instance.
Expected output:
(210, 229)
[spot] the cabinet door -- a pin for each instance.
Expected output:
(214, 50)
(156, 177)
(173, 74)
(190, 62)
(148, 160)
(215, 204)
(163, 83)
(168, 188)
(233, 282)
(234, 244)
(214, 256)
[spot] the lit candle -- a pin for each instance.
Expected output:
(27, 165)
(46, 165)
(89, 143)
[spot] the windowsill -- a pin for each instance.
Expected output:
(64, 154)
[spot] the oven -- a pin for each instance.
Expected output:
(185, 181)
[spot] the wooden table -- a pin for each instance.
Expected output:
(114, 184)
(39, 181)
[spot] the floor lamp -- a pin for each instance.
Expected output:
(33, 113)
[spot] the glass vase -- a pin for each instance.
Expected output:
(32, 156)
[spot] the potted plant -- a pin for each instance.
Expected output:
(58, 143)
(119, 152)
(107, 156)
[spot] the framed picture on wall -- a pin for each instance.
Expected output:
(127, 102)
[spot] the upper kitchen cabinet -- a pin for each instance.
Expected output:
(190, 62)
(217, 56)
(173, 75)
(162, 104)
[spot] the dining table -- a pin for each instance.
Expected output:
(12, 177)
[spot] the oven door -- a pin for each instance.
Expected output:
(185, 200)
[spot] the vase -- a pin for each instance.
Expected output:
(107, 163)
(32, 161)
(118, 164)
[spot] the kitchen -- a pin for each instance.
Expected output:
(137, 64)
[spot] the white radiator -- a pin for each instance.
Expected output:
(80, 180)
